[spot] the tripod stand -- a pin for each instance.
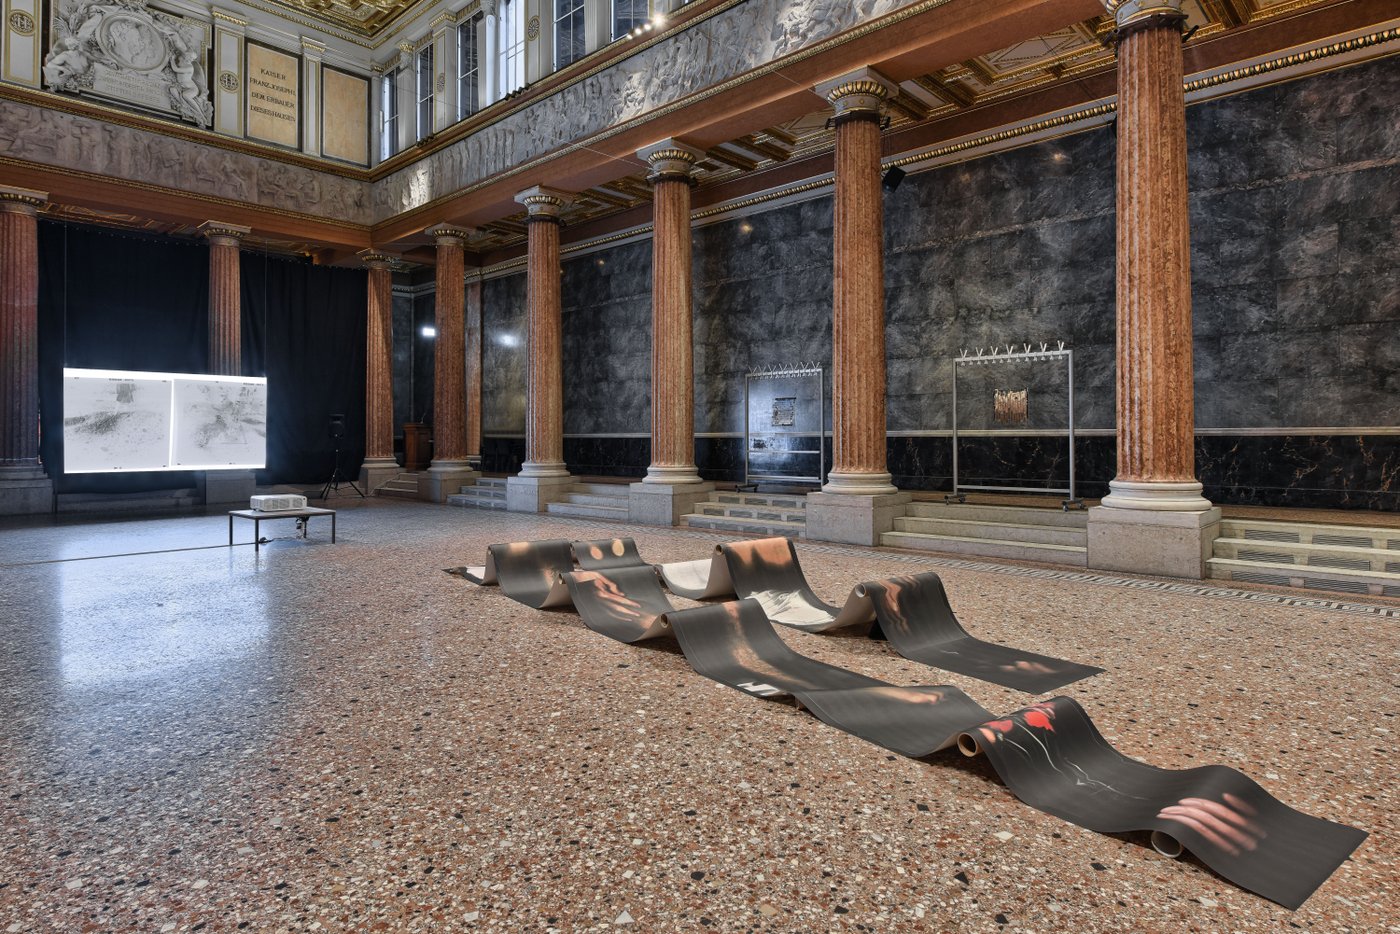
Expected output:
(336, 479)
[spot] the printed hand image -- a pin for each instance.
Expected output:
(622, 603)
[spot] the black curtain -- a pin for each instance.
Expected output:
(304, 329)
(122, 301)
(129, 301)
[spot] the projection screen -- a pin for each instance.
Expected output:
(119, 420)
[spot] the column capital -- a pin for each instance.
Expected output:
(1130, 13)
(440, 22)
(488, 7)
(543, 203)
(222, 233)
(376, 260)
(670, 159)
(312, 49)
(447, 234)
(858, 93)
(22, 200)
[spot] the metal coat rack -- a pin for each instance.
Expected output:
(800, 371)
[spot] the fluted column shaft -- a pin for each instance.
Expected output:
(1156, 402)
(544, 367)
(858, 314)
(225, 298)
(449, 351)
(672, 358)
(379, 355)
(472, 429)
(19, 327)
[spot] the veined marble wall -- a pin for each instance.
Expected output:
(503, 356)
(607, 341)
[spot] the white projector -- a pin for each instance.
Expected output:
(277, 503)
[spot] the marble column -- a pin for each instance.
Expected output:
(226, 343)
(858, 501)
(449, 469)
(472, 430)
(25, 487)
(379, 464)
(1155, 519)
(672, 485)
(542, 476)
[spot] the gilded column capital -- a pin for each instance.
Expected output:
(1128, 14)
(218, 232)
(22, 200)
(375, 259)
(447, 234)
(670, 159)
(858, 94)
(543, 204)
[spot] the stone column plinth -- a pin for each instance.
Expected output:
(672, 486)
(25, 487)
(1155, 519)
(379, 465)
(543, 474)
(859, 501)
(449, 469)
(224, 487)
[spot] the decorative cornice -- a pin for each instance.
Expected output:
(223, 233)
(221, 16)
(376, 260)
(22, 200)
(448, 234)
(445, 18)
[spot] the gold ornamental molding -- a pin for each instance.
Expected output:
(1127, 13)
(221, 232)
(448, 234)
(22, 200)
(375, 259)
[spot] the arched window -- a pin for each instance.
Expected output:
(511, 26)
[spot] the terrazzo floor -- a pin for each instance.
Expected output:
(320, 737)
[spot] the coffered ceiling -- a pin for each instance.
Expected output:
(367, 18)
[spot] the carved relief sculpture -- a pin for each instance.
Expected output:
(124, 51)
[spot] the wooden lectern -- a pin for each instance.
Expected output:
(417, 446)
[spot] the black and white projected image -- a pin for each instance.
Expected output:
(115, 423)
(220, 423)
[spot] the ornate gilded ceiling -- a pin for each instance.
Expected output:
(366, 18)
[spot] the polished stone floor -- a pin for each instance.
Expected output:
(320, 737)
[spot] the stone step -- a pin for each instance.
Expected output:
(602, 489)
(1311, 555)
(775, 500)
(745, 526)
(397, 492)
(485, 492)
(750, 511)
(597, 499)
(996, 531)
(585, 511)
(498, 483)
(1074, 556)
(1345, 536)
(1013, 515)
(480, 502)
(1371, 583)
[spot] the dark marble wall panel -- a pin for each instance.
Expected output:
(1296, 252)
(607, 342)
(402, 364)
(502, 454)
(762, 299)
(607, 456)
(424, 354)
(503, 356)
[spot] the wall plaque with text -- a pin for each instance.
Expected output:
(273, 98)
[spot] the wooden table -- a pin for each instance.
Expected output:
(258, 515)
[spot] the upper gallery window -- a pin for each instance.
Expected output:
(423, 68)
(389, 113)
(468, 68)
(511, 23)
(569, 44)
(627, 16)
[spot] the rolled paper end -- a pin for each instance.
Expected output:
(968, 745)
(1166, 844)
(860, 591)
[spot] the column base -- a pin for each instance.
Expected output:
(543, 471)
(442, 479)
(854, 519)
(1163, 542)
(25, 491)
(672, 475)
(532, 494)
(1156, 495)
(377, 471)
(663, 503)
(859, 484)
(229, 487)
